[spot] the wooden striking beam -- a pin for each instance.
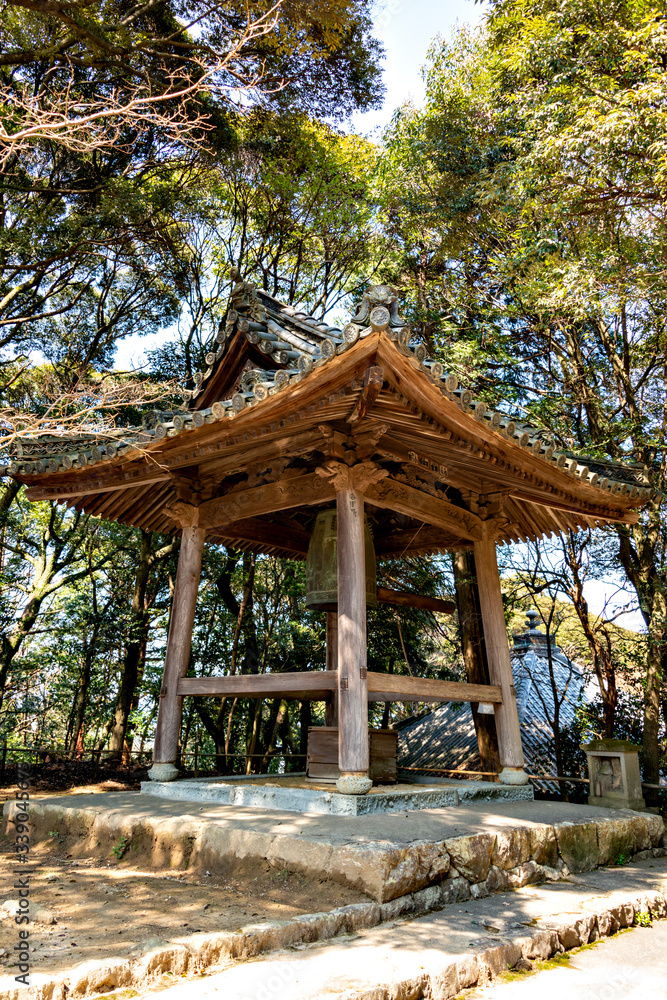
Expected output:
(415, 601)
(310, 685)
(400, 687)
(438, 512)
(286, 493)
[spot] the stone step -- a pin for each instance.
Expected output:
(438, 955)
(484, 850)
(477, 848)
(433, 956)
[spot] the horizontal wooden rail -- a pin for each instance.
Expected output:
(308, 685)
(317, 685)
(400, 687)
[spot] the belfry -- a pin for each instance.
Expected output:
(301, 439)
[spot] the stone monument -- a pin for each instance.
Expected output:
(613, 769)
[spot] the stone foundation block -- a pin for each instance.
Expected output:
(497, 880)
(459, 889)
(624, 914)
(641, 833)
(657, 906)
(445, 984)
(607, 923)
(524, 874)
(656, 829)
(471, 856)
(541, 946)
(511, 848)
(543, 845)
(578, 845)
(467, 971)
(617, 839)
(496, 960)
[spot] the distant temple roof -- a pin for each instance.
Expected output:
(446, 737)
(283, 393)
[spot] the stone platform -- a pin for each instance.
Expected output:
(292, 793)
(473, 848)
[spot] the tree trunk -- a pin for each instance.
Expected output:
(132, 660)
(474, 655)
(277, 717)
(256, 715)
(81, 699)
(601, 652)
(638, 554)
(655, 675)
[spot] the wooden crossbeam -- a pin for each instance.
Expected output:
(308, 685)
(438, 512)
(295, 492)
(403, 541)
(254, 530)
(401, 687)
(318, 685)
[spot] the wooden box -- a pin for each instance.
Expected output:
(323, 754)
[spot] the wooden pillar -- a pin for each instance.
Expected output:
(331, 710)
(178, 655)
(474, 653)
(499, 662)
(352, 684)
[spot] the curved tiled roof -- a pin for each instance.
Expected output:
(292, 345)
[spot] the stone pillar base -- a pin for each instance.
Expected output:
(513, 776)
(354, 783)
(163, 772)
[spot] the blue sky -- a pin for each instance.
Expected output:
(406, 29)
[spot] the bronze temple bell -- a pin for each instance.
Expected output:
(322, 564)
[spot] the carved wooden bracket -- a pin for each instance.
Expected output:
(373, 381)
(366, 437)
(355, 447)
(184, 514)
(337, 444)
(352, 477)
(441, 513)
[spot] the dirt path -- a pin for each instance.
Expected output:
(111, 909)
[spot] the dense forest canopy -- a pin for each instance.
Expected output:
(144, 148)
